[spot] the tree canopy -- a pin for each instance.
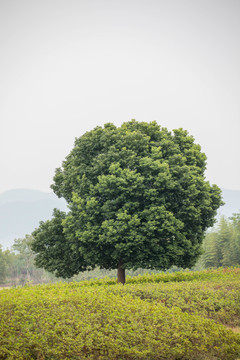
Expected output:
(137, 197)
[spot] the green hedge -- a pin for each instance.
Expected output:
(216, 300)
(70, 321)
(180, 276)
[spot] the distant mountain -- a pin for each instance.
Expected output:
(21, 210)
(25, 195)
(232, 203)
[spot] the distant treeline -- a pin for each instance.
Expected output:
(221, 248)
(17, 267)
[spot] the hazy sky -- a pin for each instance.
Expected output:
(68, 66)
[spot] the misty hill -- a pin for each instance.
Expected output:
(25, 195)
(21, 210)
(232, 203)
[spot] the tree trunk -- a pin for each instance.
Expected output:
(120, 273)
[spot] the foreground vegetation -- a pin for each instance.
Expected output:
(186, 315)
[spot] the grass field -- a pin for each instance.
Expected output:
(186, 315)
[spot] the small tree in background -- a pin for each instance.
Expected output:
(137, 197)
(3, 266)
(26, 254)
(235, 240)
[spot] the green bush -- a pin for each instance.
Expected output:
(214, 300)
(76, 321)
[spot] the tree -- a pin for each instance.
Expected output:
(3, 265)
(137, 197)
(224, 243)
(23, 247)
(210, 255)
(235, 220)
(54, 252)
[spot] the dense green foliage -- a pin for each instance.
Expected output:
(146, 319)
(221, 248)
(222, 245)
(137, 197)
(17, 267)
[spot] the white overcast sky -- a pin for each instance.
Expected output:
(67, 66)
